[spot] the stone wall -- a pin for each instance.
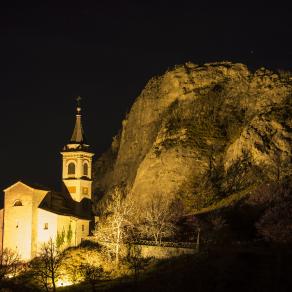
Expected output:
(158, 252)
(164, 252)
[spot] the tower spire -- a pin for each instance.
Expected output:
(78, 133)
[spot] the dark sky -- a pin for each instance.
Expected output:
(106, 51)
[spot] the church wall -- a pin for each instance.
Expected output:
(78, 232)
(64, 223)
(82, 232)
(1, 228)
(18, 220)
(58, 223)
(46, 227)
(38, 196)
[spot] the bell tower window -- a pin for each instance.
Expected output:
(17, 203)
(71, 168)
(85, 169)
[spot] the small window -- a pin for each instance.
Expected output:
(71, 168)
(85, 169)
(17, 203)
(46, 226)
(82, 227)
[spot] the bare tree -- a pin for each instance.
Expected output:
(46, 267)
(111, 229)
(157, 220)
(9, 261)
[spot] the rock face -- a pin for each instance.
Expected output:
(200, 134)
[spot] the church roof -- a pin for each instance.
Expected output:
(61, 203)
(78, 136)
(30, 185)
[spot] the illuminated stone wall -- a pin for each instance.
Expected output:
(46, 227)
(82, 232)
(1, 228)
(163, 252)
(38, 196)
(20, 203)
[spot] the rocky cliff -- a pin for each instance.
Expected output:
(202, 134)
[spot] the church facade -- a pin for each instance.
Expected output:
(33, 215)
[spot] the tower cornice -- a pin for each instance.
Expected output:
(77, 153)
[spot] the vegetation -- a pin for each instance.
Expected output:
(9, 264)
(45, 268)
(157, 222)
(114, 222)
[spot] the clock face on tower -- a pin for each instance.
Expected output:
(71, 189)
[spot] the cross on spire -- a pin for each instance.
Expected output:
(78, 99)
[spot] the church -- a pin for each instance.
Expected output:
(32, 215)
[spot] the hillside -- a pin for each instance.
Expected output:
(203, 135)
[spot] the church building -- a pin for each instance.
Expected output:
(32, 215)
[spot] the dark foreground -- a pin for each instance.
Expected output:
(222, 269)
(231, 270)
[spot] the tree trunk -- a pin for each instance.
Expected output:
(118, 246)
(198, 240)
(54, 285)
(156, 239)
(47, 288)
(53, 281)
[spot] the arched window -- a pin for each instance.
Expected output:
(85, 169)
(71, 168)
(17, 203)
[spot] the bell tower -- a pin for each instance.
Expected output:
(77, 162)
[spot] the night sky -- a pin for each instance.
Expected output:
(106, 51)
